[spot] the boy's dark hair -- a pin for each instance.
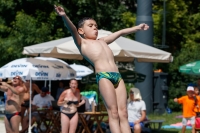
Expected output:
(82, 21)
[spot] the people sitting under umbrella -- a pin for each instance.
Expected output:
(42, 100)
(136, 110)
(25, 104)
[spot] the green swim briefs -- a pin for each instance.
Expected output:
(114, 77)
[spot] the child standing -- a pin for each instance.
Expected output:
(188, 103)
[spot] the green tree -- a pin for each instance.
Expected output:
(24, 23)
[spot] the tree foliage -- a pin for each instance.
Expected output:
(28, 22)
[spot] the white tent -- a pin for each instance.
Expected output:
(123, 49)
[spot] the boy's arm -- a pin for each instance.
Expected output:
(70, 26)
(175, 100)
(179, 100)
(110, 38)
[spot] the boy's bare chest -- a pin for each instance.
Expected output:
(95, 48)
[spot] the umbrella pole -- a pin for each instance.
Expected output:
(45, 83)
(29, 128)
(49, 86)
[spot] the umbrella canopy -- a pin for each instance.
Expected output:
(123, 49)
(81, 70)
(61, 64)
(30, 68)
(127, 75)
(192, 68)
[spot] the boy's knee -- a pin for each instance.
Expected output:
(123, 113)
(184, 126)
(193, 126)
(114, 112)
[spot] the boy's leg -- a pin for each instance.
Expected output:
(193, 128)
(122, 107)
(183, 129)
(107, 91)
(192, 120)
(184, 122)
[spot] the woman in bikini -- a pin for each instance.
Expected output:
(69, 100)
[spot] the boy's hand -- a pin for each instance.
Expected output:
(175, 100)
(143, 26)
(59, 10)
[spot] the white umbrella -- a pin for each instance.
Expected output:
(123, 49)
(2, 73)
(62, 65)
(30, 68)
(81, 70)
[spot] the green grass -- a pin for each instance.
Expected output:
(168, 119)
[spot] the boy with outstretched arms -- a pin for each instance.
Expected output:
(97, 52)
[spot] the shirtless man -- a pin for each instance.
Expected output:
(25, 104)
(98, 53)
(15, 94)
